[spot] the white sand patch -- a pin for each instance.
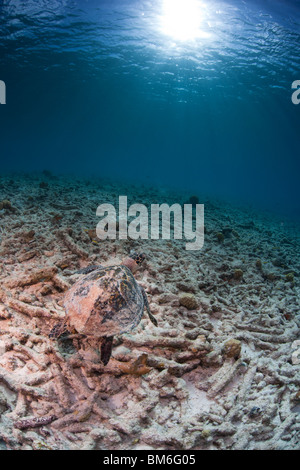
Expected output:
(197, 401)
(118, 400)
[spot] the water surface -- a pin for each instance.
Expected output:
(115, 89)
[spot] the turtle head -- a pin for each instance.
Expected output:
(133, 261)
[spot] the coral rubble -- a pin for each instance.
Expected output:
(217, 373)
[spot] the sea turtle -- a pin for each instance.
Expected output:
(106, 301)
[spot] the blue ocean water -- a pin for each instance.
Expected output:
(196, 98)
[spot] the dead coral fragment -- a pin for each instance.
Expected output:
(61, 283)
(22, 307)
(258, 264)
(238, 274)
(56, 218)
(138, 367)
(189, 301)
(34, 422)
(222, 377)
(227, 231)
(6, 204)
(289, 277)
(71, 245)
(15, 383)
(232, 348)
(220, 237)
(91, 233)
(44, 274)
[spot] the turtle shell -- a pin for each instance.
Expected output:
(106, 302)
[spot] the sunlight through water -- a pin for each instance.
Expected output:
(182, 19)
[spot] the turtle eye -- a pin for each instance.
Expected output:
(141, 258)
(138, 258)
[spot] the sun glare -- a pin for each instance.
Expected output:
(181, 19)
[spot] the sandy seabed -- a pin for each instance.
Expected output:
(222, 369)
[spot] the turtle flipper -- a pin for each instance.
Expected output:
(106, 347)
(59, 329)
(152, 317)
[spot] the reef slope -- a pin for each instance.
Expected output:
(220, 372)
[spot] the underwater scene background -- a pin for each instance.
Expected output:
(119, 89)
(138, 343)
